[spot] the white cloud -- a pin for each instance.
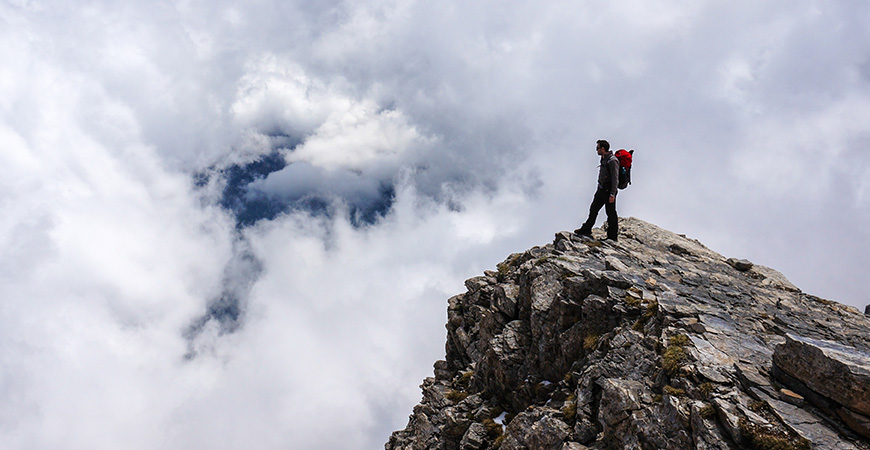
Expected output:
(335, 130)
(355, 138)
(278, 96)
(749, 122)
(783, 151)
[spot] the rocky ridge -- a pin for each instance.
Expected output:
(652, 342)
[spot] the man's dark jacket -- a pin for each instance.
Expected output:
(608, 174)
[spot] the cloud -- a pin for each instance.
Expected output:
(106, 259)
(403, 147)
(356, 138)
(812, 145)
(339, 147)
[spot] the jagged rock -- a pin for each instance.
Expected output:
(705, 432)
(858, 422)
(653, 341)
(836, 371)
(537, 430)
(710, 362)
(442, 370)
(474, 438)
(740, 264)
(505, 298)
(612, 263)
(789, 396)
(808, 425)
(749, 377)
(801, 389)
(619, 398)
(548, 433)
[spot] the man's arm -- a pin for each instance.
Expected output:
(613, 166)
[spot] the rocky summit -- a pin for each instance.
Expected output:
(651, 342)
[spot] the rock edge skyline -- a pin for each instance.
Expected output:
(654, 341)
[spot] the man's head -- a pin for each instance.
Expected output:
(602, 147)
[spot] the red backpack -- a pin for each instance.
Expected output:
(624, 158)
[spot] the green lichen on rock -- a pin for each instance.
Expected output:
(465, 379)
(455, 395)
(569, 410)
(707, 412)
(706, 389)
(632, 301)
(652, 309)
(494, 430)
(765, 438)
(681, 339)
(590, 342)
(674, 392)
(675, 354)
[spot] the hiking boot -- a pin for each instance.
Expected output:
(582, 232)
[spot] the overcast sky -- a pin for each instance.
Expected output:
(419, 144)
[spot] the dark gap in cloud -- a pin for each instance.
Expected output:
(362, 208)
(249, 204)
(367, 200)
(257, 206)
(227, 311)
(250, 209)
(201, 179)
(369, 211)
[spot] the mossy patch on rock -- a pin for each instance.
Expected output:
(675, 355)
(763, 438)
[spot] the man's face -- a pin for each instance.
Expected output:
(600, 150)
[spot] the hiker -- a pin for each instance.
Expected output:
(605, 195)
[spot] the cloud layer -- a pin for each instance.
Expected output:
(409, 146)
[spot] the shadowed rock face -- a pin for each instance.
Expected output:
(654, 342)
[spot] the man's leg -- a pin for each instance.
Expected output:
(597, 202)
(612, 220)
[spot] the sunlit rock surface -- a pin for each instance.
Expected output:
(652, 342)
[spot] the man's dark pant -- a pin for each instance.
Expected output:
(602, 198)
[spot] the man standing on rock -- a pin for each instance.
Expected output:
(605, 195)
